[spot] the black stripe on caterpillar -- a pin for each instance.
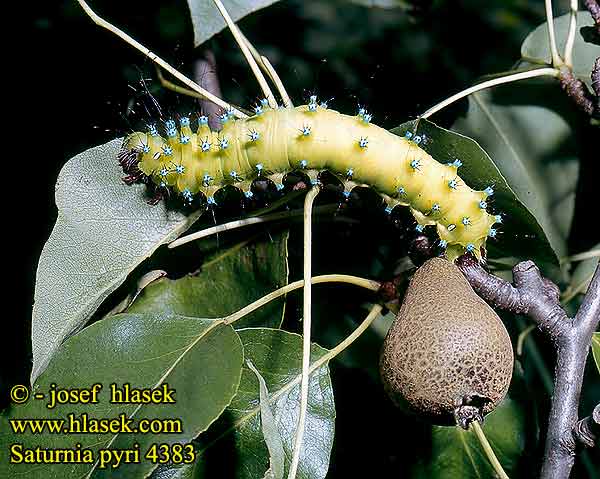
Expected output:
(313, 138)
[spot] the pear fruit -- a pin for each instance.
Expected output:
(447, 357)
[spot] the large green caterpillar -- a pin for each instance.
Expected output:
(314, 138)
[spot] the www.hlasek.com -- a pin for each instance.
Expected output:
(117, 396)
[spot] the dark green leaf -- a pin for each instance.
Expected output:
(522, 235)
(103, 231)
(526, 128)
(536, 47)
(234, 446)
(582, 276)
(200, 359)
(225, 284)
(383, 3)
(596, 349)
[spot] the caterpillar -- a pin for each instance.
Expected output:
(312, 138)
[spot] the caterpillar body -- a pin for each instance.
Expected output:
(313, 138)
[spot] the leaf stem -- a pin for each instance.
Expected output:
(159, 61)
(306, 323)
(556, 60)
(253, 220)
(571, 34)
(326, 278)
(489, 452)
(262, 81)
(490, 83)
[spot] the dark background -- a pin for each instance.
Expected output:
(73, 82)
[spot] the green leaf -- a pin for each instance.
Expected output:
(103, 231)
(536, 47)
(269, 429)
(526, 128)
(454, 452)
(200, 359)
(234, 446)
(207, 20)
(596, 349)
(522, 235)
(225, 284)
(582, 276)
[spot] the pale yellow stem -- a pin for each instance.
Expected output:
(159, 61)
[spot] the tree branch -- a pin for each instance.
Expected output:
(538, 298)
(588, 429)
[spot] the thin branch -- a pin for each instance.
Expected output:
(538, 72)
(587, 430)
(571, 34)
(556, 60)
(205, 74)
(262, 81)
(156, 59)
(577, 90)
(306, 323)
(538, 298)
(593, 6)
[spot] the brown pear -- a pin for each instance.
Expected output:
(447, 357)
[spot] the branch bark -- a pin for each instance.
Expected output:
(205, 74)
(537, 297)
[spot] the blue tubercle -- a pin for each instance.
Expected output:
(205, 146)
(170, 125)
(363, 142)
(203, 120)
(346, 194)
(453, 184)
(483, 204)
(417, 139)
(436, 207)
(489, 191)
(184, 139)
(443, 244)
(498, 218)
(207, 179)
(493, 232)
(152, 130)
(408, 135)
(167, 150)
(349, 173)
(184, 121)
(171, 132)
(248, 194)
(223, 143)
(466, 221)
(470, 248)
(180, 169)
(259, 167)
(303, 164)
(401, 191)
(211, 201)
(279, 186)
(419, 228)
(254, 135)
(306, 130)
(388, 210)
(415, 164)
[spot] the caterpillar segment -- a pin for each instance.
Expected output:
(314, 138)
